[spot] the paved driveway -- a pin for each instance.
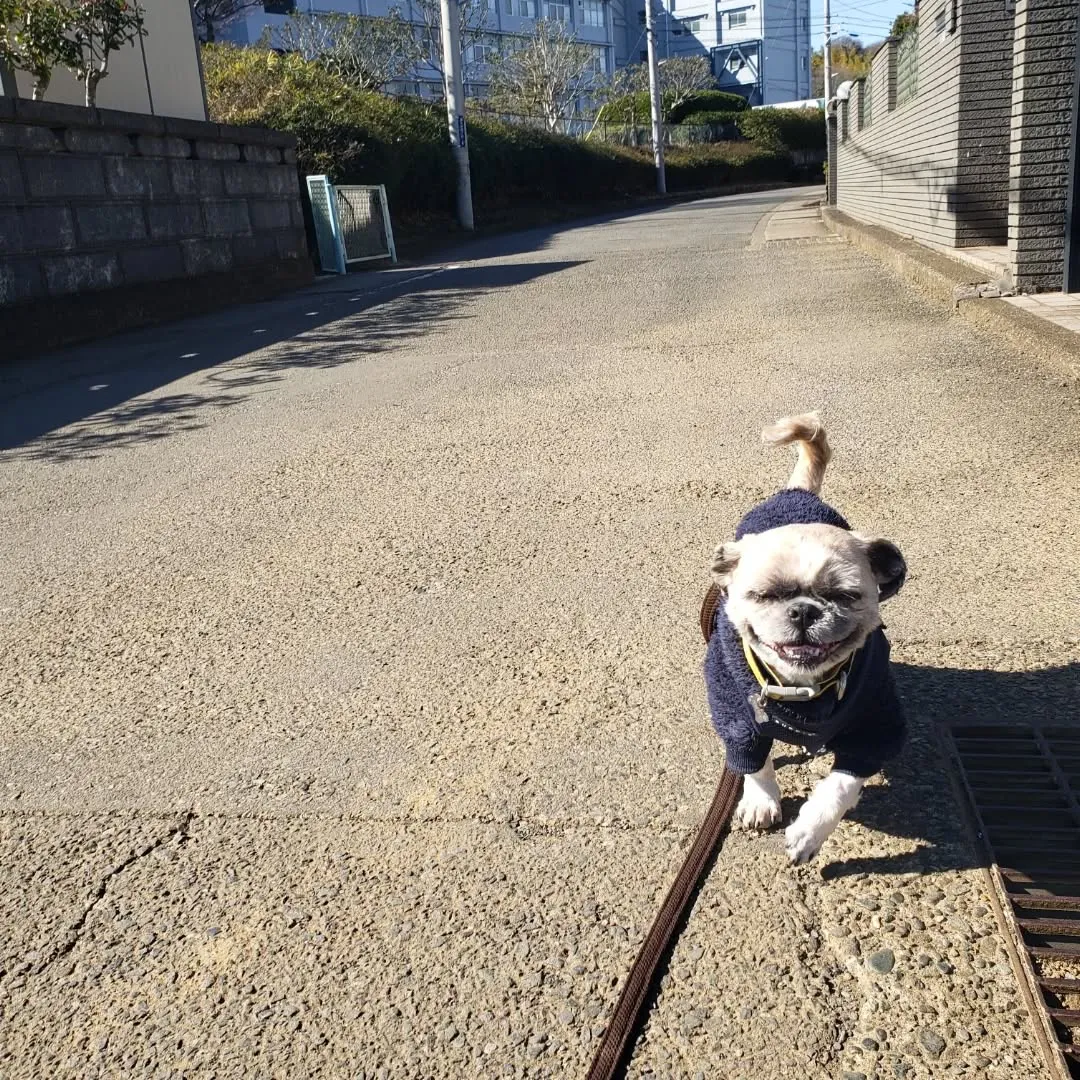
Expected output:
(352, 722)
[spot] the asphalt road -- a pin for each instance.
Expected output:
(351, 722)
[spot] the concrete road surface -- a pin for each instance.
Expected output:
(352, 722)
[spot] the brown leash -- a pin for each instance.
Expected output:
(664, 931)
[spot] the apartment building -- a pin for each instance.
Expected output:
(591, 22)
(760, 50)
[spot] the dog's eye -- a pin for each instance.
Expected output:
(842, 596)
(759, 597)
(772, 595)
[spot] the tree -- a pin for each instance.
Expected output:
(680, 77)
(367, 52)
(545, 75)
(98, 28)
(212, 15)
(34, 38)
(472, 18)
(905, 23)
(850, 60)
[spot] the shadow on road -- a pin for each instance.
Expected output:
(83, 401)
(919, 802)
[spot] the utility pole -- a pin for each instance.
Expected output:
(654, 99)
(826, 56)
(455, 107)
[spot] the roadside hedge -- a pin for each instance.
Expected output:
(711, 101)
(365, 138)
(618, 110)
(784, 129)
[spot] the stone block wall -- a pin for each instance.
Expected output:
(1045, 56)
(981, 198)
(102, 212)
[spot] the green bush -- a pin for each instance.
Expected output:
(715, 101)
(784, 129)
(352, 135)
(620, 109)
(366, 138)
(514, 164)
(708, 165)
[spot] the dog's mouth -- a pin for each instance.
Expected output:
(807, 654)
(804, 655)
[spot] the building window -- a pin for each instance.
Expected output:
(557, 12)
(509, 7)
(484, 51)
(735, 64)
(736, 19)
(279, 7)
(599, 59)
(592, 13)
(526, 9)
(692, 26)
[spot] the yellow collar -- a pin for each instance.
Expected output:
(777, 691)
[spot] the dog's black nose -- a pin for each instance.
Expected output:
(804, 614)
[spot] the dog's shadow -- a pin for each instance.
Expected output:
(923, 800)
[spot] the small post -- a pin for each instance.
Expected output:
(455, 107)
(654, 99)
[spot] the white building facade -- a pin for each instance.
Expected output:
(761, 50)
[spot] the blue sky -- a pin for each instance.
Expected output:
(870, 19)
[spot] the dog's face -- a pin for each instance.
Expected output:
(806, 597)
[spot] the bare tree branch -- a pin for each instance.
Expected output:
(544, 74)
(212, 15)
(679, 78)
(472, 20)
(367, 51)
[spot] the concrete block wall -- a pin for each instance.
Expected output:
(1044, 63)
(95, 203)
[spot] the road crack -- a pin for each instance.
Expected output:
(75, 931)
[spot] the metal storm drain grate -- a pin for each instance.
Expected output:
(1023, 784)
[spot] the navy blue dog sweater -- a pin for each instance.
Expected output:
(862, 730)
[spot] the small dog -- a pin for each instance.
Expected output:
(796, 647)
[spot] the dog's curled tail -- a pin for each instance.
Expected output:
(808, 432)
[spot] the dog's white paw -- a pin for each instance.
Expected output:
(820, 814)
(803, 839)
(759, 807)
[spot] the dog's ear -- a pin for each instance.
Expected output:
(725, 559)
(887, 563)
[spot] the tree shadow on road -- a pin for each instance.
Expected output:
(84, 401)
(921, 802)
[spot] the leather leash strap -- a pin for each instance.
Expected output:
(661, 937)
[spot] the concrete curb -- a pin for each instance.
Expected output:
(936, 276)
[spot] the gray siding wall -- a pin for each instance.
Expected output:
(901, 169)
(1044, 68)
(935, 167)
(93, 200)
